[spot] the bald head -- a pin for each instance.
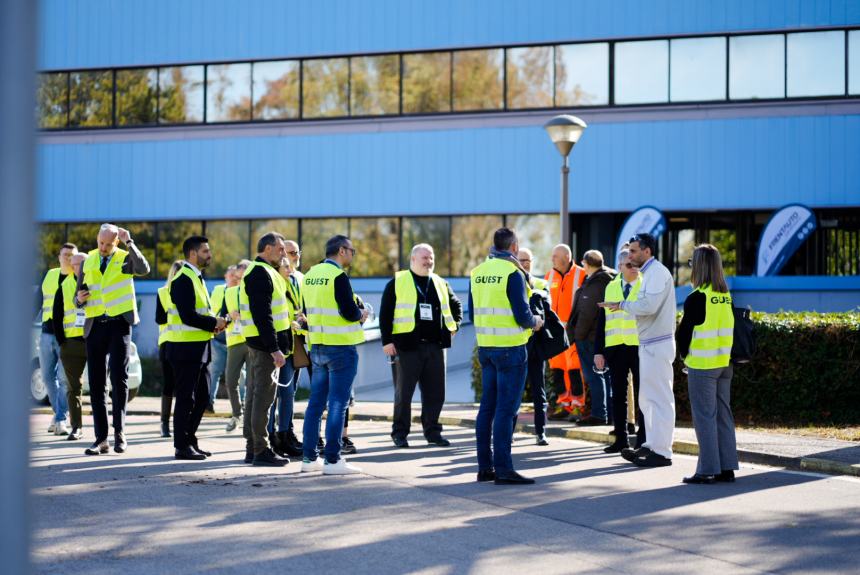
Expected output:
(107, 239)
(561, 257)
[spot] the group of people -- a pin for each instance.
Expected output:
(269, 321)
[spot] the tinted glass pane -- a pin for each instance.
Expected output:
(479, 81)
(229, 242)
(315, 233)
(433, 231)
(276, 90)
(375, 85)
(582, 75)
(529, 77)
(136, 97)
(376, 242)
(91, 99)
(698, 69)
(539, 233)
(52, 100)
(228, 93)
(726, 241)
(641, 72)
(427, 83)
(471, 239)
(757, 67)
(816, 64)
(854, 62)
(83, 235)
(143, 234)
(286, 227)
(325, 88)
(169, 247)
(51, 237)
(180, 96)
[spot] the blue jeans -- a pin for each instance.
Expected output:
(334, 369)
(53, 375)
(601, 392)
(285, 398)
(503, 378)
(216, 367)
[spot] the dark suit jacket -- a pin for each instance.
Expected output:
(551, 340)
(134, 264)
(182, 294)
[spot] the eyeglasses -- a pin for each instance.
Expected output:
(522, 261)
(630, 266)
(351, 249)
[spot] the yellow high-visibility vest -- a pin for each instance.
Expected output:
(50, 285)
(325, 324)
(178, 331)
(216, 299)
(164, 298)
(111, 293)
(711, 346)
(620, 325)
(70, 310)
(495, 324)
(406, 301)
(234, 332)
(280, 308)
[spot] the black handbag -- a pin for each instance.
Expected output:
(743, 344)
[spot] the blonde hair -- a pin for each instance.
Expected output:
(708, 268)
(174, 268)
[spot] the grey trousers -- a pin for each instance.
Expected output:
(237, 356)
(260, 386)
(710, 393)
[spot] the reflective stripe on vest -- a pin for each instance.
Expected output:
(70, 311)
(50, 285)
(711, 346)
(111, 293)
(164, 298)
(325, 324)
(406, 298)
(495, 324)
(176, 331)
(234, 331)
(620, 325)
(281, 311)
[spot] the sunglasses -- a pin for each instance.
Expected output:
(629, 266)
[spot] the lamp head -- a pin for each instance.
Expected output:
(565, 131)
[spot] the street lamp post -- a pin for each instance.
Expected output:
(565, 131)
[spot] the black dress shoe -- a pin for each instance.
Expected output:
(725, 476)
(188, 454)
(512, 478)
(486, 475)
(590, 421)
(119, 442)
(541, 440)
(698, 479)
(249, 455)
(438, 441)
(632, 455)
(98, 447)
(268, 458)
(400, 442)
(615, 448)
(653, 460)
(202, 452)
(289, 445)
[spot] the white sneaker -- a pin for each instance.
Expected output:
(53, 427)
(340, 468)
(232, 424)
(61, 429)
(309, 466)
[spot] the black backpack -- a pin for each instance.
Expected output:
(743, 345)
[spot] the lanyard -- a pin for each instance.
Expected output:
(424, 295)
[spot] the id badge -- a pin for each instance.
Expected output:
(237, 328)
(425, 311)
(80, 318)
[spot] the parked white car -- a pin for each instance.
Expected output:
(37, 386)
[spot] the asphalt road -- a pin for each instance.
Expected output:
(420, 511)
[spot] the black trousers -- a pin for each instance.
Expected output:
(192, 398)
(424, 366)
(108, 338)
(535, 381)
(624, 359)
(167, 373)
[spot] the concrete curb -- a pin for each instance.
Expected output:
(812, 464)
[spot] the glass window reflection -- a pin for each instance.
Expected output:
(854, 62)
(642, 72)
(427, 83)
(376, 242)
(230, 242)
(143, 234)
(529, 77)
(170, 236)
(582, 75)
(50, 237)
(471, 239)
(816, 64)
(289, 228)
(228, 93)
(52, 100)
(539, 233)
(91, 99)
(315, 233)
(325, 88)
(757, 67)
(375, 85)
(698, 69)
(180, 95)
(435, 231)
(276, 90)
(136, 97)
(83, 235)
(479, 80)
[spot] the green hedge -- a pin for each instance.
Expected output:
(806, 371)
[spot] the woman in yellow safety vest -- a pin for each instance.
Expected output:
(704, 341)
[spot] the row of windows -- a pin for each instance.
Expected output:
(744, 67)
(383, 244)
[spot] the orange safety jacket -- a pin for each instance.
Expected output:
(562, 289)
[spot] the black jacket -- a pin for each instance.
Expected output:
(258, 286)
(583, 318)
(438, 331)
(183, 297)
(57, 318)
(551, 340)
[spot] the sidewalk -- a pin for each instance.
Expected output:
(775, 449)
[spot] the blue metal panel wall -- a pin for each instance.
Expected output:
(691, 165)
(93, 33)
